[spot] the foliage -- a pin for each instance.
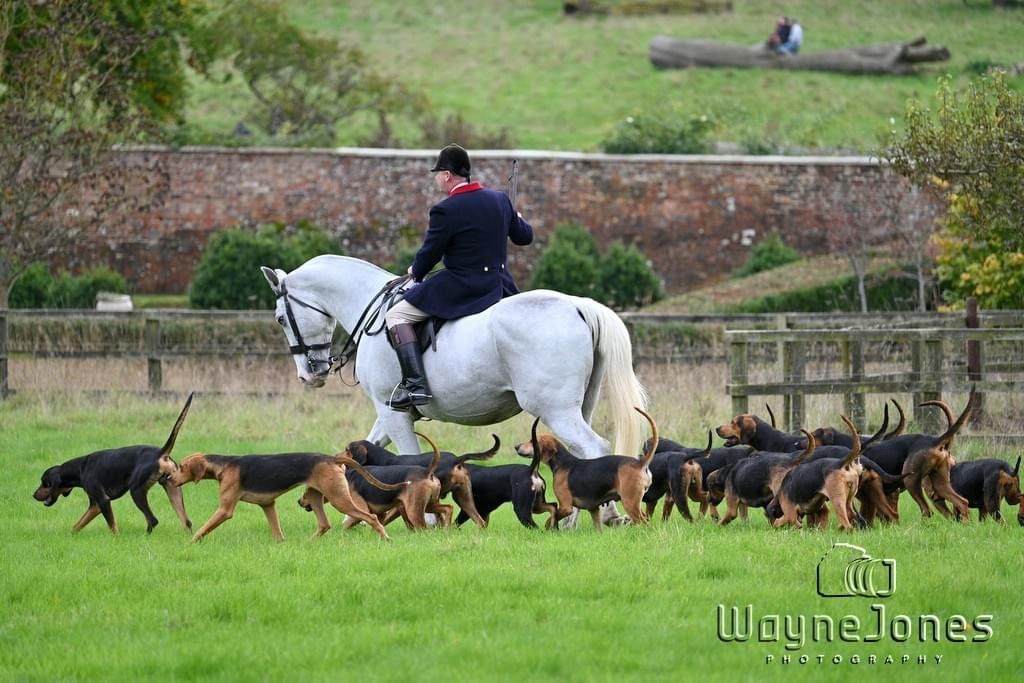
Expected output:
(75, 81)
(438, 132)
(572, 264)
(302, 84)
(767, 254)
(970, 148)
(978, 268)
(569, 263)
(626, 279)
(403, 260)
(228, 276)
(662, 133)
(29, 291)
(37, 288)
(892, 293)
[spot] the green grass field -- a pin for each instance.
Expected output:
(565, 83)
(497, 604)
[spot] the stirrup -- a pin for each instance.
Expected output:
(410, 400)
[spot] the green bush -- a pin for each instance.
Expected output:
(626, 278)
(569, 264)
(30, 289)
(892, 293)
(572, 264)
(403, 260)
(662, 133)
(228, 275)
(37, 288)
(767, 254)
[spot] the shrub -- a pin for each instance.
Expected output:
(572, 264)
(886, 293)
(228, 276)
(403, 260)
(661, 133)
(36, 288)
(569, 264)
(438, 132)
(767, 254)
(626, 278)
(30, 289)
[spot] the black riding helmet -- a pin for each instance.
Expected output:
(453, 158)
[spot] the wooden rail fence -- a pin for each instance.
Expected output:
(791, 333)
(929, 376)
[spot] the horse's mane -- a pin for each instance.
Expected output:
(321, 259)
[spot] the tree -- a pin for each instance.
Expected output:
(973, 145)
(74, 83)
(569, 264)
(971, 150)
(302, 85)
(914, 247)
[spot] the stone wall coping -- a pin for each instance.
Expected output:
(385, 153)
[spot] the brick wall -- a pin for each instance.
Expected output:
(694, 217)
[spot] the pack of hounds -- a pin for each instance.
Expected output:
(796, 478)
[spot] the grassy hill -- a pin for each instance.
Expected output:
(565, 83)
(813, 273)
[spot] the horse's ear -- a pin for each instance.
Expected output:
(272, 279)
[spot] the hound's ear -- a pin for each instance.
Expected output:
(273, 279)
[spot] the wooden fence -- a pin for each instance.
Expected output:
(153, 346)
(930, 373)
(790, 332)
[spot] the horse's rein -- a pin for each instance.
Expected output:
(364, 326)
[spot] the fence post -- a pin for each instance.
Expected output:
(853, 367)
(4, 389)
(738, 376)
(932, 385)
(796, 352)
(782, 323)
(917, 377)
(975, 361)
(156, 375)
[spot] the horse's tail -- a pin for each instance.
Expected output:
(613, 351)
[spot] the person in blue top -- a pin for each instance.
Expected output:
(469, 232)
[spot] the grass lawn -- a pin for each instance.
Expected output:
(566, 83)
(504, 603)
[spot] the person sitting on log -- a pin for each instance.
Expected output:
(779, 36)
(793, 40)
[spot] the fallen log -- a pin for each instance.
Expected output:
(628, 8)
(887, 58)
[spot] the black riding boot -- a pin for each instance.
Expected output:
(413, 390)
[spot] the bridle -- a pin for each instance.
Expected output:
(300, 346)
(371, 315)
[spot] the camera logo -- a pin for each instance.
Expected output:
(847, 570)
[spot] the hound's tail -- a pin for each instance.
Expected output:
(652, 445)
(437, 453)
(946, 440)
(482, 455)
(855, 451)
(169, 446)
(343, 459)
(613, 351)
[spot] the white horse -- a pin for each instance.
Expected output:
(541, 351)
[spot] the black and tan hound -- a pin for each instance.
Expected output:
(589, 484)
(261, 479)
(109, 474)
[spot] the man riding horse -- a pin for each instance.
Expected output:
(469, 231)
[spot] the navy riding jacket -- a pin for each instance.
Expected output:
(469, 231)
